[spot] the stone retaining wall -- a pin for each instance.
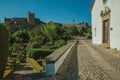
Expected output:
(64, 65)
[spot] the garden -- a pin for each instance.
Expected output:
(32, 44)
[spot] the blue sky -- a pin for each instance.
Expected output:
(61, 11)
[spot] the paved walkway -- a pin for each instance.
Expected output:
(93, 66)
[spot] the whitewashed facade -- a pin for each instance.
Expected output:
(106, 22)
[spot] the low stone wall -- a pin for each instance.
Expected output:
(58, 61)
(69, 69)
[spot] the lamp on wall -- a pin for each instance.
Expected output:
(95, 31)
(111, 28)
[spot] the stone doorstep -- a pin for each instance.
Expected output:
(105, 45)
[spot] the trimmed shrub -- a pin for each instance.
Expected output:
(39, 53)
(60, 43)
(50, 43)
(35, 44)
(49, 47)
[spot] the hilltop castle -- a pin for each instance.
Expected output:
(29, 21)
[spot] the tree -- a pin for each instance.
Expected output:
(50, 30)
(74, 30)
(89, 31)
(4, 49)
(21, 36)
(18, 41)
(36, 31)
(71, 30)
(36, 41)
(68, 31)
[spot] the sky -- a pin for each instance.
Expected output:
(60, 11)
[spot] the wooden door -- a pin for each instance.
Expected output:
(106, 31)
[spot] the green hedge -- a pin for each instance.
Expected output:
(60, 43)
(39, 53)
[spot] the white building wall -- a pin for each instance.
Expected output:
(97, 22)
(114, 6)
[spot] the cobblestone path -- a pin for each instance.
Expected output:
(96, 63)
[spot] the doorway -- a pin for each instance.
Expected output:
(105, 14)
(106, 31)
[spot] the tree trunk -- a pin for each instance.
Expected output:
(4, 48)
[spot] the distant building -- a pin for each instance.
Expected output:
(29, 21)
(83, 24)
(80, 26)
(106, 22)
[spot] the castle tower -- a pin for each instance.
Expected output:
(30, 18)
